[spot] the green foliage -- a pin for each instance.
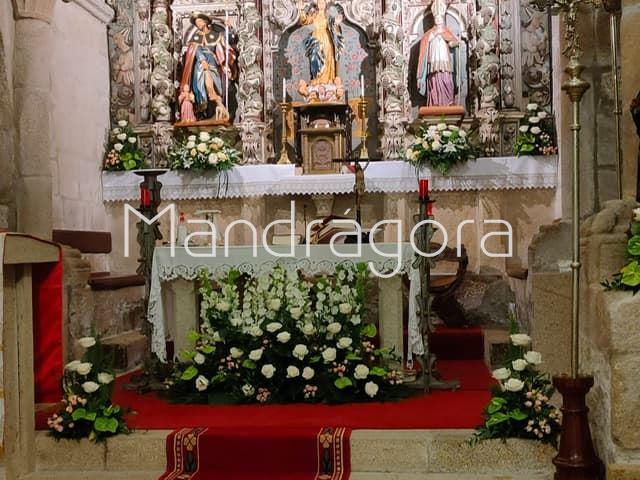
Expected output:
(123, 150)
(628, 278)
(536, 134)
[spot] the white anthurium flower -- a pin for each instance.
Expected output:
(636, 215)
(436, 146)
(84, 368)
(202, 147)
(122, 123)
(308, 373)
(236, 352)
(268, 370)
(520, 339)
(361, 371)
(534, 358)
(118, 147)
(204, 136)
(296, 312)
(199, 358)
(133, 139)
(273, 327)
(543, 114)
(536, 130)
(90, 387)
(300, 351)
(283, 337)
(72, 366)
(274, 304)
(344, 342)
(519, 364)
(371, 389)
(202, 383)
(513, 385)
(105, 378)
(532, 106)
(345, 308)
(308, 329)
(334, 328)
(192, 138)
(223, 306)
(86, 342)
(501, 373)
(534, 119)
(256, 354)
(248, 390)
(442, 126)
(329, 355)
(121, 136)
(293, 371)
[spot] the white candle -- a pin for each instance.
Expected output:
(284, 90)
(362, 86)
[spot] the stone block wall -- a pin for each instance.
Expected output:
(7, 126)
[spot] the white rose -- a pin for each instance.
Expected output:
(436, 146)
(535, 130)
(72, 366)
(447, 133)
(105, 378)
(462, 133)
(308, 329)
(293, 371)
(213, 159)
(268, 370)
(235, 321)
(534, 119)
(133, 139)
(454, 128)
(513, 385)
(334, 327)
(121, 136)
(542, 114)
(636, 215)
(361, 371)
(425, 145)
(202, 383)
(204, 136)
(345, 308)
(519, 364)
(296, 312)
(300, 351)
(329, 355)
(534, 358)
(520, 339)
(524, 128)
(84, 368)
(191, 145)
(202, 147)
(344, 342)
(122, 123)
(283, 337)
(248, 390)
(223, 306)
(371, 389)
(255, 355)
(355, 320)
(255, 331)
(442, 126)
(274, 304)
(191, 138)
(116, 131)
(235, 352)
(90, 387)
(199, 358)
(501, 373)
(308, 373)
(118, 147)
(532, 106)
(273, 327)
(86, 342)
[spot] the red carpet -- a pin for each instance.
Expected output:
(457, 343)
(276, 454)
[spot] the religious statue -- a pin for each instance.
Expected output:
(209, 66)
(324, 44)
(436, 62)
(323, 92)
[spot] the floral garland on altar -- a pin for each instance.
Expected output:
(282, 338)
(123, 149)
(203, 152)
(536, 133)
(442, 146)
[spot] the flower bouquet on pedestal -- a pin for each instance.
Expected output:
(441, 146)
(123, 149)
(536, 134)
(203, 152)
(87, 411)
(629, 276)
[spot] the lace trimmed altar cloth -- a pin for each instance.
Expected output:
(495, 173)
(320, 260)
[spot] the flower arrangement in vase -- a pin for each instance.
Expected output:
(203, 152)
(123, 149)
(536, 134)
(87, 410)
(285, 339)
(629, 276)
(441, 146)
(519, 407)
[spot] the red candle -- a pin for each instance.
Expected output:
(145, 196)
(423, 188)
(430, 209)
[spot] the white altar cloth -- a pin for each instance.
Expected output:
(494, 173)
(319, 261)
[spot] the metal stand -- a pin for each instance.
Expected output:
(284, 154)
(362, 114)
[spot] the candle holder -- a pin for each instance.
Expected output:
(362, 114)
(284, 155)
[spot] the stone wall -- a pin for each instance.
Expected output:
(7, 126)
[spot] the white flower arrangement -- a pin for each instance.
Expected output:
(442, 146)
(123, 151)
(536, 133)
(203, 152)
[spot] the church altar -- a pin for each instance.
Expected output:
(490, 173)
(173, 309)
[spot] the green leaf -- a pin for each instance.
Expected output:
(103, 424)
(343, 382)
(518, 415)
(353, 357)
(495, 405)
(193, 336)
(79, 414)
(369, 330)
(190, 373)
(631, 274)
(250, 364)
(378, 372)
(634, 246)
(496, 419)
(314, 359)
(207, 349)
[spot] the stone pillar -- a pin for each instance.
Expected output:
(32, 93)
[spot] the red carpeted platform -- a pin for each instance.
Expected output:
(457, 343)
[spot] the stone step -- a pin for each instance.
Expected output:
(128, 349)
(375, 454)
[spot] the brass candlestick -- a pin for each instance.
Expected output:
(362, 114)
(284, 155)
